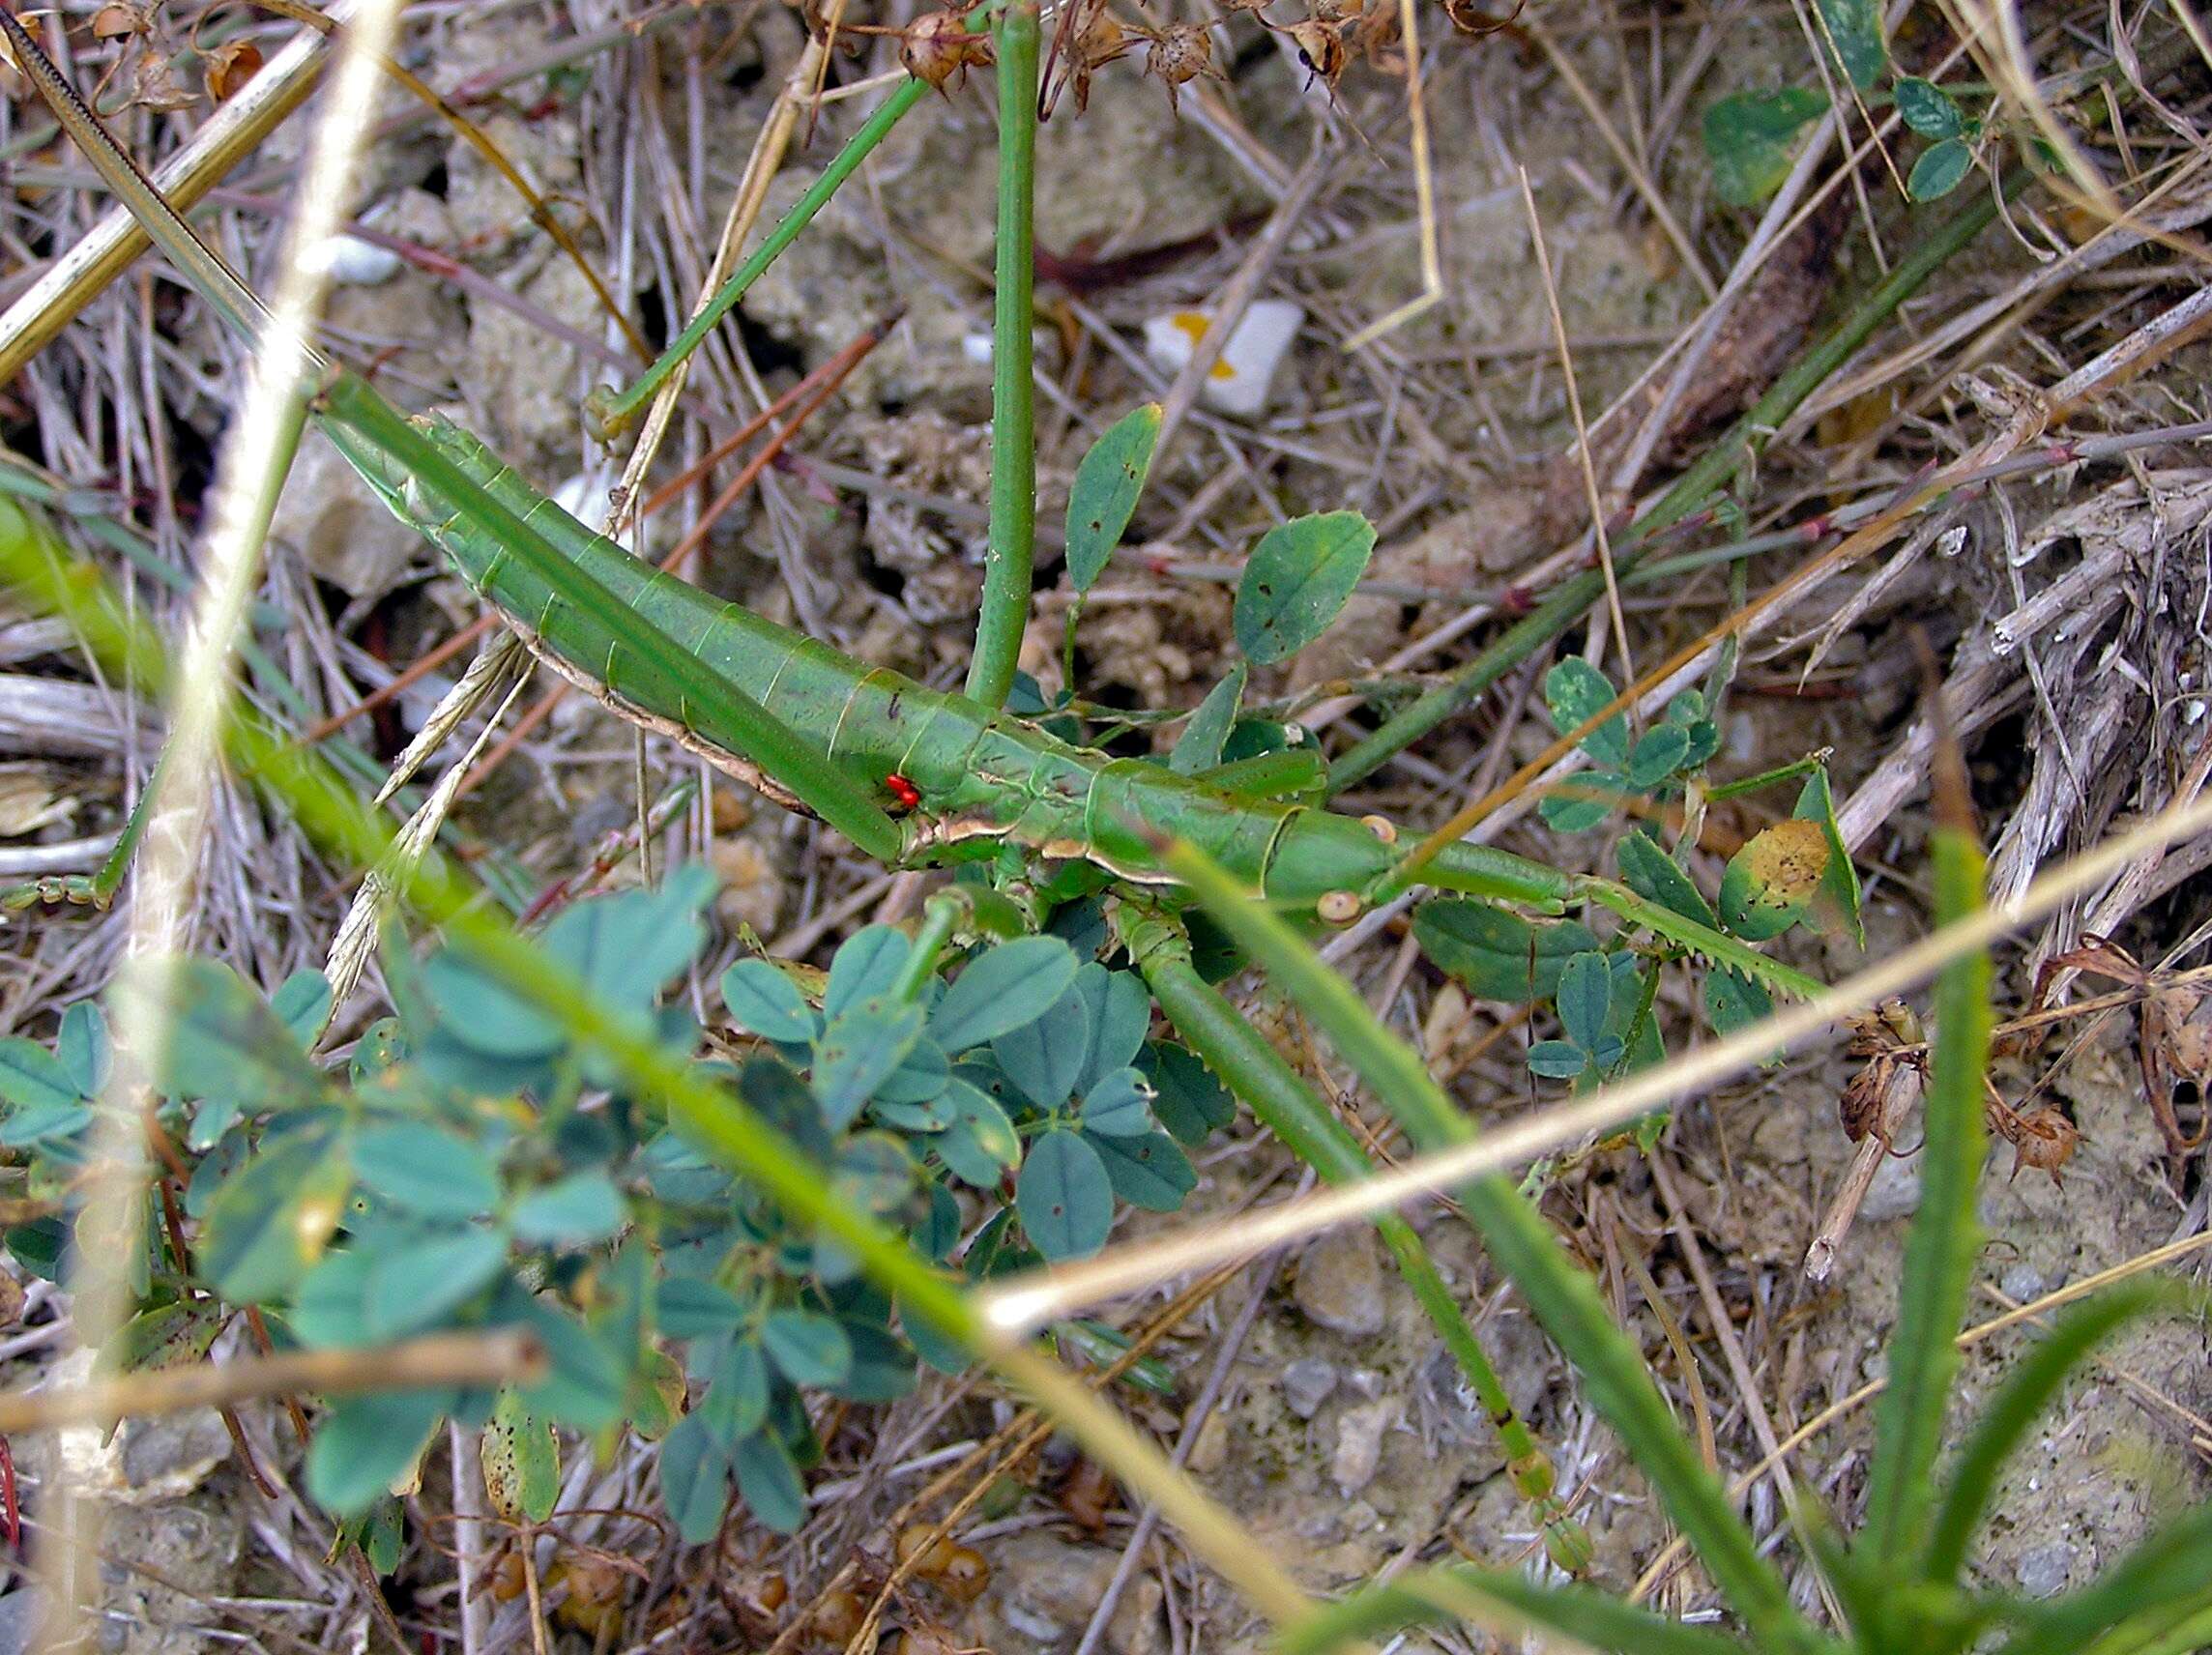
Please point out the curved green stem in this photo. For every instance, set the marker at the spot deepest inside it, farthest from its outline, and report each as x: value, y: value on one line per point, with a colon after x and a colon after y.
x: 1256, y: 1072
x: 1005, y: 612
x: 945, y: 910
x: 1563, y: 1295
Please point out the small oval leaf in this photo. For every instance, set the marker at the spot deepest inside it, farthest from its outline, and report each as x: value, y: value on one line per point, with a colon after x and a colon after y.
x: 1497, y: 955
x: 808, y: 1349
x: 1585, y: 998
x: 1928, y: 109
x: 1109, y: 481
x: 1120, y: 1105
x: 764, y: 1001
x: 1001, y: 989
x: 1940, y: 170
x: 1199, y: 747
x: 521, y: 1454
x: 1064, y: 1197
x: 1296, y: 579
x: 426, y: 1170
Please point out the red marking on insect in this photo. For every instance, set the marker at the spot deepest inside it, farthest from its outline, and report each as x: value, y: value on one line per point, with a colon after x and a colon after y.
x: 904, y: 791
x: 11, y: 1511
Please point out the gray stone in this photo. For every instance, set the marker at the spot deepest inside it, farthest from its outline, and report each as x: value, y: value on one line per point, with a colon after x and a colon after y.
x: 1340, y: 1284
x: 1360, y: 1433
x: 1306, y: 1383
x: 346, y: 536
x: 1043, y: 1591
x: 172, y: 1454
x: 2024, y: 1282
x: 190, y: 1549
x: 2042, y: 1571
x: 21, y: 1613
x: 1895, y: 1192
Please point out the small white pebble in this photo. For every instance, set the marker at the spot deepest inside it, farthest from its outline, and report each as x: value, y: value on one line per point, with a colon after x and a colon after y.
x: 1244, y: 375
x: 357, y: 263
x: 977, y: 347
x: 583, y: 498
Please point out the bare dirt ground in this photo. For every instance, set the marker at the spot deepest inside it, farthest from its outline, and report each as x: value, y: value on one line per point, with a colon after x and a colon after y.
x: 1332, y: 1428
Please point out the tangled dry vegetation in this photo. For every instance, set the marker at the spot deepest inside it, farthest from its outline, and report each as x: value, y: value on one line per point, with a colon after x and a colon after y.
x: 2053, y: 381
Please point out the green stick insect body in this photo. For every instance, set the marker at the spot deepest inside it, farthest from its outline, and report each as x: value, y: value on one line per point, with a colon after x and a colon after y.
x: 979, y: 774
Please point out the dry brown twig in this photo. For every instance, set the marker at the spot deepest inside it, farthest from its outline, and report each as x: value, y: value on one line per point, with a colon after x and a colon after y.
x: 500, y: 1356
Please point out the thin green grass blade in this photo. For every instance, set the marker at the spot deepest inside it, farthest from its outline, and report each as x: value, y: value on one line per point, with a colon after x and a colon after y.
x: 1946, y: 1238
x: 613, y: 412
x: 2170, y: 1572
x: 1256, y: 1072
x: 714, y: 706
x: 2028, y: 1391
x: 1564, y: 1300
x: 1500, y: 1601
x: 2186, y: 1631
x: 1009, y: 556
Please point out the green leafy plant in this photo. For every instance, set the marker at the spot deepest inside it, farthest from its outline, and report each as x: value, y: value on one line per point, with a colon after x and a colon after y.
x: 477, y: 1166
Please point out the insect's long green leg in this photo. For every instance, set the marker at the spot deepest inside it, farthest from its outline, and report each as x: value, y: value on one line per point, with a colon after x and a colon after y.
x: 1256, y: 1072
x: 96, y: 889
x: 1008, y: 556
x: 1698, y: 938
x: 703, y: 698
x: 613, y: 412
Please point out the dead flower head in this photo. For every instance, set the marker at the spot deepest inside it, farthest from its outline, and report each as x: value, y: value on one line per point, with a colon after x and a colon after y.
x: 1179, y: 54
x: 939, y: 47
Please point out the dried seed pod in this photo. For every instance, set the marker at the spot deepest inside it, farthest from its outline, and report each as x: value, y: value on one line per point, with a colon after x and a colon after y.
x: 155, y: 86
x: 1467, y: 19
x: 1322, y: 49
x: 230, y: 67
x: 594, y: 1590
x: 937, y: 47
x: 931, y: 1552
x: 1088, y: 1494
x: 837, y: 1616
x: 117, y: 21
x: 1179, y: 54
x: 966, y: 1574
x: 2042, y: 1139
x: 508, y: 1579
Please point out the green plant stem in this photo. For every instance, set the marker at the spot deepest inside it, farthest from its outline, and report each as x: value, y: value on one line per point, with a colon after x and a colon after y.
x: 1256, y: 1072
x: 1008, y: 556
x: 939, y: 916
x: 1563, y: 1298
x: 1945, y: 1241
x: 1711, y: 470
x: 613, y: 413
x: 1499, y: 1600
